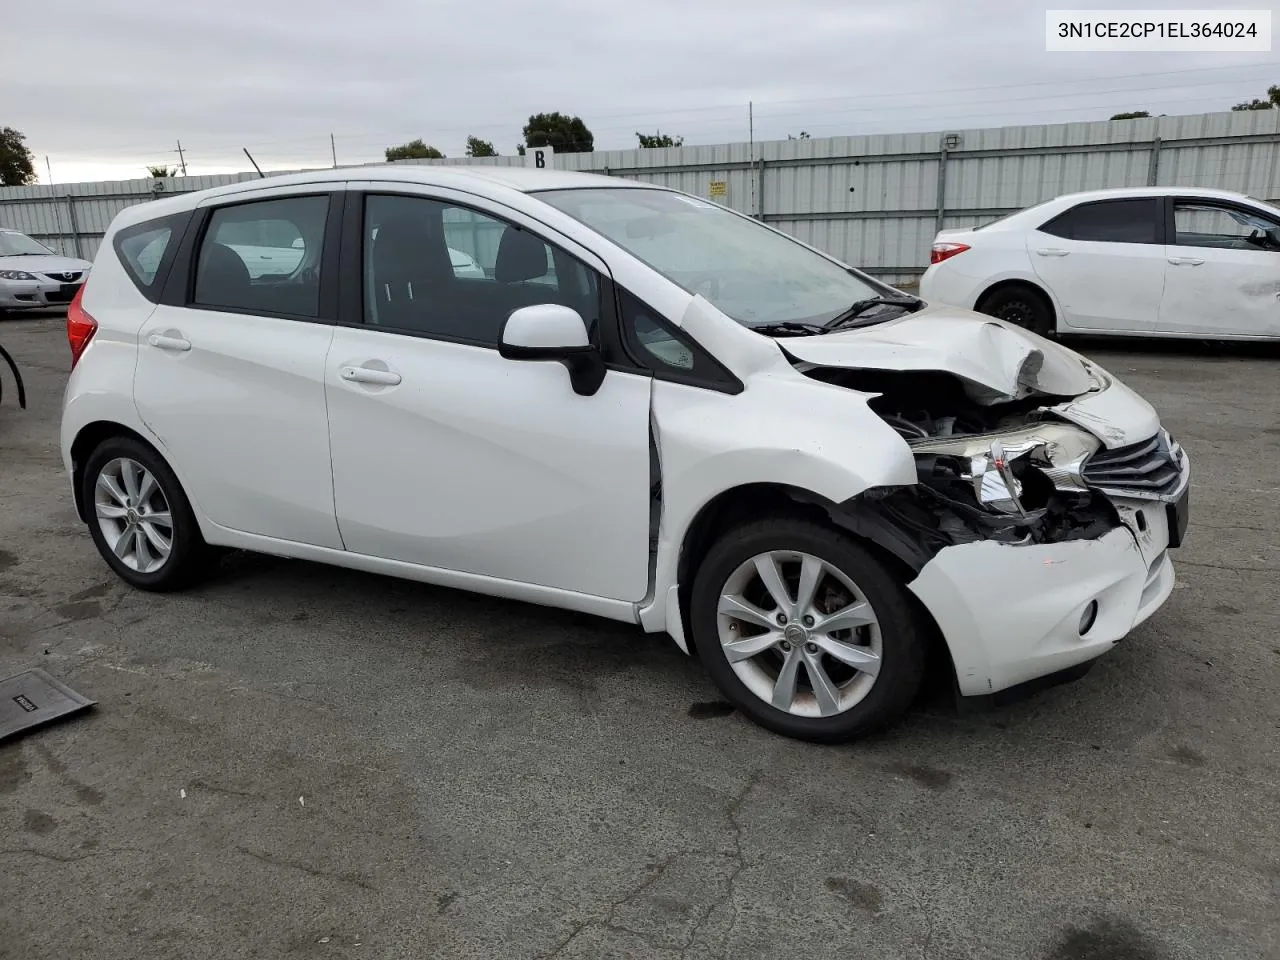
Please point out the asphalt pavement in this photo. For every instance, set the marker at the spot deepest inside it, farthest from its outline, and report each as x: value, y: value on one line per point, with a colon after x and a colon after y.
x: 299, y: 761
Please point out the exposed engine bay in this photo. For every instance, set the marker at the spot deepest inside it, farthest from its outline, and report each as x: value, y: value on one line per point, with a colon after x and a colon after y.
x: 1007, y: 471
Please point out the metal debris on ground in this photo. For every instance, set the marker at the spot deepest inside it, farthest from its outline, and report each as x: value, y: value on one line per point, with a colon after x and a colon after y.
x: 17, y: 378
x: 34, y: 698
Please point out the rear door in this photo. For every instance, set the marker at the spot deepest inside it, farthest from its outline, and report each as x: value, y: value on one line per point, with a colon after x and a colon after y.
x: 230, y: 375
x: 1104, y: 263
x: 1224, y: 271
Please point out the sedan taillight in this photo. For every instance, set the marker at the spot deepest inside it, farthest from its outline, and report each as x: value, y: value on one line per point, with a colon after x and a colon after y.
x: 80, y: 327
x: 945, y: 250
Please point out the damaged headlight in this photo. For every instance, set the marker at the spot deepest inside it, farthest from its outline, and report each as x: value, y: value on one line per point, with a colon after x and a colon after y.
x: 996, y: 466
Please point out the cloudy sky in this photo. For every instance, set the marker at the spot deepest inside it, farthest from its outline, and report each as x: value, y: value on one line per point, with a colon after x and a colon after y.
x: 104, y: 88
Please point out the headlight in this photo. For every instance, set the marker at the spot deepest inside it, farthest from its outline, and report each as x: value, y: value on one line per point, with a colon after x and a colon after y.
x: 15, y: 275
x: 988, y: 461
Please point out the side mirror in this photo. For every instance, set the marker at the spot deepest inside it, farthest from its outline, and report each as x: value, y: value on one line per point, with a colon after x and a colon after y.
x: 549, y: 331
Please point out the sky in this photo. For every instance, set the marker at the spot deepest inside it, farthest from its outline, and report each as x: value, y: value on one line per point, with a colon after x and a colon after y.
x: 105, y: 88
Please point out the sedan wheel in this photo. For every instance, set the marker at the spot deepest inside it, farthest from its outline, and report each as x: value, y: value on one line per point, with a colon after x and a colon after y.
x: 806, y: 630
x: 133, y: 515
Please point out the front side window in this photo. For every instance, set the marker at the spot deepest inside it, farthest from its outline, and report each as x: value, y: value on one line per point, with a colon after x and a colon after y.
x: 15, y: 244
x: 751, y: 273
x: 1229, y: 228
x: 448, y: 271
x: 264, y: 257
x: 1110, y: 221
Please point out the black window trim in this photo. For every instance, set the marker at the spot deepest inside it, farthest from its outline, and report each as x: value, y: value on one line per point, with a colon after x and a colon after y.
x: 722, y: 379
x: 1161, y: 225
x: 351, y: 289
x: 178, y: 224
x: 179, y: 289
x: 1170, y: 216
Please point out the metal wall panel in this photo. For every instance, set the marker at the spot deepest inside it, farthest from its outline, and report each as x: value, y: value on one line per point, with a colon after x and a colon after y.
x: 869, y: 200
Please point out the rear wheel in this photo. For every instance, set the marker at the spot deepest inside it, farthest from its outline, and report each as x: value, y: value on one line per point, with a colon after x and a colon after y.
x: 140, y: 519
x: 805, y: 631
x: 1021, y: 305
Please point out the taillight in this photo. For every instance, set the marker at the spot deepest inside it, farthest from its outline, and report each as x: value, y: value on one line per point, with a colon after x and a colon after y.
x: 943, y: 250
x: 80, y: 327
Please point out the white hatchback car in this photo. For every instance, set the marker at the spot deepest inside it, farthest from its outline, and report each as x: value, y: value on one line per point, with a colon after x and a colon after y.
x: 1148, y: 261
x: 648, y: 408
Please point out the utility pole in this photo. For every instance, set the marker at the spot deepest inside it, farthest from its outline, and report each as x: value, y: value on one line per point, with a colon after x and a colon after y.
x: 182, y: 160
x: 334, y: 150
x: 48, y: 167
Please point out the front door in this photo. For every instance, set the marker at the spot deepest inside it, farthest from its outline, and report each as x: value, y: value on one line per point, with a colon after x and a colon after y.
x: 449, y: 456
x: 1224, y: 272
x: 230, y: 375
x: 1104, y: 263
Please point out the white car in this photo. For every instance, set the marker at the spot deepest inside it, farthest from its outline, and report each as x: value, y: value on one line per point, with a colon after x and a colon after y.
x: 32, y: 275
x: 1148, y: 261
x: 701, y: 426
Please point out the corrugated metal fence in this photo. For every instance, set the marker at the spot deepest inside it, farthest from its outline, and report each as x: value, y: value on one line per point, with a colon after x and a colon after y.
x: 874, y: 201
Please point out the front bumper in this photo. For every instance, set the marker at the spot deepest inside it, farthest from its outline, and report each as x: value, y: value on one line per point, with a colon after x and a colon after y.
x: 1013, y: 613
x: 34, y: 294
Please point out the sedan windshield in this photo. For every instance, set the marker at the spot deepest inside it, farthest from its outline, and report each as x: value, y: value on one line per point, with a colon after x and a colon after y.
x: 14, y: 244
x: 753, y: 274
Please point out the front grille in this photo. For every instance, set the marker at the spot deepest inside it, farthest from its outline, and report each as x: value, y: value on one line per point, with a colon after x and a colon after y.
x: 1151, y: 468
x: 69, y: 277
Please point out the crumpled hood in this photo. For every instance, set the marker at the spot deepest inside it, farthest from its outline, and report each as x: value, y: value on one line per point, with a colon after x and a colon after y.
x: 45, y: 264
x: 997, y: 361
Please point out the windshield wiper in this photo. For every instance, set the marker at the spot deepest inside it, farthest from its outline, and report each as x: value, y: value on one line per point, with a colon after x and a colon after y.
x: 860, y: 307
x: 790, y: 328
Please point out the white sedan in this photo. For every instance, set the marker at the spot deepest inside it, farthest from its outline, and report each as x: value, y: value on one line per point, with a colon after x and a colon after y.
x: 1149, y: 262
x: 652, y: 409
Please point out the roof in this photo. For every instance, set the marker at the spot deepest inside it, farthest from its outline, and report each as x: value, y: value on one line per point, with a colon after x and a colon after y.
x: 520, y: 179
x: 1113, y: 192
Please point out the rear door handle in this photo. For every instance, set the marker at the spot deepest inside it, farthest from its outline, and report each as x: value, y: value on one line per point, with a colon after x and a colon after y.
x: 385, y: 378
x: 1189, y: 261
x: 1052, y: 252
x: 169, y: 343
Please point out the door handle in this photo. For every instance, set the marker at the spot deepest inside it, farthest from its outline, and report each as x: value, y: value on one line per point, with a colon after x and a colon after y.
x: 1189, y: 261
x: 1052, y: 252
x: 169, y: 343
x: 385, y: 378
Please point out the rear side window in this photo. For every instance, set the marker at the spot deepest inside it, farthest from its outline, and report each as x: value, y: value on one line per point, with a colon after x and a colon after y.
x: 146, y: 250
x: 263, y: 257
x: 1110, y: 221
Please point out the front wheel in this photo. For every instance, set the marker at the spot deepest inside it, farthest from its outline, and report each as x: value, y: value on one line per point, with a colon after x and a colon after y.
x: 806, y: 631
x: 140, y: 519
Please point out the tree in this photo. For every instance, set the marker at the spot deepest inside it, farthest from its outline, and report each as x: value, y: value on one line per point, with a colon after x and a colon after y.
x: 659, y: 139
x: 1273, y: 94
x: 804, y: 135
x: 17, y: 165
x: 480, y: 148
x: 163, y: 171
x: 413, y: 150
x: 1254, y: 104
x: 1131, y: 115
x: 557, y: 130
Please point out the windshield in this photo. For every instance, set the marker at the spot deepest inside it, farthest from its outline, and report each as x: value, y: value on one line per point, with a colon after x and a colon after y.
x: 14, y: 244
x: 751, y: 273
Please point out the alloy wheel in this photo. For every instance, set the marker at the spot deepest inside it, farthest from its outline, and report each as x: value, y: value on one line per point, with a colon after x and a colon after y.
x: 133, y: 515
x: 799, y: 633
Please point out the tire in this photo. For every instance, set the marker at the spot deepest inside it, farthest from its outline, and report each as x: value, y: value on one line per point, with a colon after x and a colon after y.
x: 118, y: 496
x: 890, y: 651
x: 1021, y: 305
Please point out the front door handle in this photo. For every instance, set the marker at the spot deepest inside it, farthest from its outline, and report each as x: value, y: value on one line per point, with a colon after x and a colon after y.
x: 383, y: 378
x: 1052, y: 252
x: 1186, y: 261
x: 169, y: 343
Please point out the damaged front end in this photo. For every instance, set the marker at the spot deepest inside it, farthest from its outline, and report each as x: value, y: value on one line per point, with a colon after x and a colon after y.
x: 1007, y: 470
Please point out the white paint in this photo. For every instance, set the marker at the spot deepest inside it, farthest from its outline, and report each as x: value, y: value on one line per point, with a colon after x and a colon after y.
x: 452, y: 465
